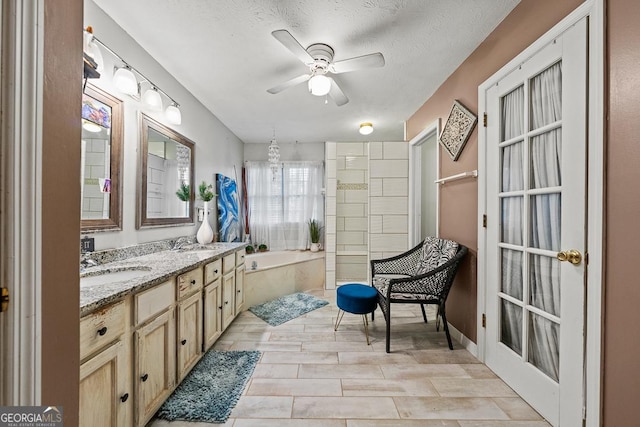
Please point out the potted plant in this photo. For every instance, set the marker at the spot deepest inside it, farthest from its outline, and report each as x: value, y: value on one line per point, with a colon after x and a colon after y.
x: 262, y: 248
x: 205, y: 232
x: 250, y: 249
x: 184, y: 192
x: 314, y: 234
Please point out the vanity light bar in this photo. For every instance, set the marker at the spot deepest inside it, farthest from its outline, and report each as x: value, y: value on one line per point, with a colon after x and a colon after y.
x: 132, y: 68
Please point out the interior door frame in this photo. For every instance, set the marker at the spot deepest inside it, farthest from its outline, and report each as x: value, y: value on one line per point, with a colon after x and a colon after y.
x: 20, y: 201
x: 594, y: 10
x: 415, y: 181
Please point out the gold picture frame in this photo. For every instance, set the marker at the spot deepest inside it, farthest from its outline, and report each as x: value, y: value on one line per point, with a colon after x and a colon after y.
x: 457, y: 129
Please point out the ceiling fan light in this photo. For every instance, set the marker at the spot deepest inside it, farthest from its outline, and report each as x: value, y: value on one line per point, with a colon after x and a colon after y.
x: 125, y: 81
x: 319, y: 85
x: 90, y: 126
x: 173, y: 114
x: 366, y: 128
x: 151, y: 98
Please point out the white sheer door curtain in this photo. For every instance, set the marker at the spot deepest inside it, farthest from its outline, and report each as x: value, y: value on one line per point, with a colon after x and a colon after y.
x: 542, y: 229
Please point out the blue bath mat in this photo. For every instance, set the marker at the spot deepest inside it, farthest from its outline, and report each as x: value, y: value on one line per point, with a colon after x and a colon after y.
x: 212, y: 389
x: 288, y: 307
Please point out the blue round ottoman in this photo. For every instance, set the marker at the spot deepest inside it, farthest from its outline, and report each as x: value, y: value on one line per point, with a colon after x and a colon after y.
x: 356, y: 298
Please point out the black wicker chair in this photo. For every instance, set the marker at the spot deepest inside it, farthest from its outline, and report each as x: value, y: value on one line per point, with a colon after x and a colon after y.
x: 396, y: 282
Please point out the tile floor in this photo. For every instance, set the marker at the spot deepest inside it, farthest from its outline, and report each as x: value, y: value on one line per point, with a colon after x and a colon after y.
x: 309, y: 375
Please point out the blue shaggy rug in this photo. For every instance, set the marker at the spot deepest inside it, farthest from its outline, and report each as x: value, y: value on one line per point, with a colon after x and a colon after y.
x: 212, y: 389
x: 285, y: 308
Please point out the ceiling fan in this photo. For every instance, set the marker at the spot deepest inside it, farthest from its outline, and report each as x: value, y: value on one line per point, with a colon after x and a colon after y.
x: 319, y: 58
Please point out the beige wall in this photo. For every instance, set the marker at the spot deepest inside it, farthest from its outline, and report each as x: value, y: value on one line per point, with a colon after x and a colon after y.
x: 61, y: 206
x: 621, y: 345
x: 459, y: 200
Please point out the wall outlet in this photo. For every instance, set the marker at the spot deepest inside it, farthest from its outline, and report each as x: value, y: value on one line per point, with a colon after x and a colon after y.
x: 87, y: 244
x: 200, y: 214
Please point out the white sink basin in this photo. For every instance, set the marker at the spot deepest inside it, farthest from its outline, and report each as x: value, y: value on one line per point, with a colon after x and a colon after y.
x: 112, y: 275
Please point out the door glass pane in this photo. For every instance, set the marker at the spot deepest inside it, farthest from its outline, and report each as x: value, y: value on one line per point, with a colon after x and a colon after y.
x: 512, y: 173
x: 544, y: 283
x: 546, y: 157
x: 543, y: 347
x: 545, y: 221
x: 512, y: 220
x: 512, y: 123
x: 512, y: 273
x: 546, y: 97
x: 511, y: 326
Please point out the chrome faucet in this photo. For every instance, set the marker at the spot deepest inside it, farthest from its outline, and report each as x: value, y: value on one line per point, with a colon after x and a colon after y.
x: 87, y: 262
x: 180, y: 242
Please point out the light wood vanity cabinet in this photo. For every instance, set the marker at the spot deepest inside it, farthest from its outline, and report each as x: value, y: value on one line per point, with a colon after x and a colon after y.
x: 189, y: 321
x: 212, y: 302
x: 155, y: 349
x: 228, y: 290
x: 134, y: 352
x: 239, y: 281
x: 105, y: 374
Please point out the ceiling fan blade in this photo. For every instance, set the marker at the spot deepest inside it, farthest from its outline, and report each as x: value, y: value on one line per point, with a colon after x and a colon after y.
x: 285, y: 37
x: 294, y: 81
x: 337, y: 94
x: 359, y: 62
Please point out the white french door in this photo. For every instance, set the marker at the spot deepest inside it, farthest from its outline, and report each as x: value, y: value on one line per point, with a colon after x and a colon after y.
x: 535, y: 198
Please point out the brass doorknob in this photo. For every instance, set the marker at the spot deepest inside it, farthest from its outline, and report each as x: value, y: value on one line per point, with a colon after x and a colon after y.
x: 572, y: 255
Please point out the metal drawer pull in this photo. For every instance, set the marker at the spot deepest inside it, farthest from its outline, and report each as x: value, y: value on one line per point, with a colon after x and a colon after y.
x: 183, y: 342
x: 193, y: 282
x: 144, y: 377
x: 124, y: 397
x: 102, y: 331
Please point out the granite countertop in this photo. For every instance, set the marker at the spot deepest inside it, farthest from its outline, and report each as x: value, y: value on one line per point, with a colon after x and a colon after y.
x: 150, y: 270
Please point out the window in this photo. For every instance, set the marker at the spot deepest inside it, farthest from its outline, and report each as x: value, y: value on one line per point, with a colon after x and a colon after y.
x: 281, y: 205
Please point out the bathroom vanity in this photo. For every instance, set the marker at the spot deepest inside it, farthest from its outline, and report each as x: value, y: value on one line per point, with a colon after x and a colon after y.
x: 146, y: 321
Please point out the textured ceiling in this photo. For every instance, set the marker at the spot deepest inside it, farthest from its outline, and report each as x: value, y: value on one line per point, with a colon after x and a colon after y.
x: 222, y: 51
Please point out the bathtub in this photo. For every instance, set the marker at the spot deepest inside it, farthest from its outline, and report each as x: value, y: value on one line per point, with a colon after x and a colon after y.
x: 270, y: 275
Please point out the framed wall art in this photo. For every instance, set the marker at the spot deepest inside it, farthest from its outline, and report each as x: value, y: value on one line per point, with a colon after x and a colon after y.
x: 457, y: 129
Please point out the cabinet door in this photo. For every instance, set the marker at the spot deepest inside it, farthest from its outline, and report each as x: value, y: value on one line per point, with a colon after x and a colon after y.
x: 228, y: 298
x: 155, y: 368
x: 189, y: 333
x: 212, y: 313
x: 239, y: 288
x: 105, y: 388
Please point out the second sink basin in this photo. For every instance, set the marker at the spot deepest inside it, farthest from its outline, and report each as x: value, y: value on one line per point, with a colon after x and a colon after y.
x: 112, y: 275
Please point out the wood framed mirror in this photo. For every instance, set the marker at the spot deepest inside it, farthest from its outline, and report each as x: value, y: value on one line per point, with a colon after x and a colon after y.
x: 165, y: 176
x: 101, y: 160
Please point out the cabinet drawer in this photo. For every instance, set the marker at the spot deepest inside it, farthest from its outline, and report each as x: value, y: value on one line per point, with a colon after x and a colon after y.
x: 101, y: 327
x: 240, y: 256
x: 189, y: 282
x: 153, y: 301
x: 228, y: 263
x: 212, y: 271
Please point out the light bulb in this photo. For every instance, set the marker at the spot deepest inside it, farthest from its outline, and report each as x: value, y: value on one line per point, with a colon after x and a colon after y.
x: 90, y: 126
x: 173, y: 114
x: 125, y: 81
x: 366, y: 128
x: 152, y: 99
x: 319, y: 85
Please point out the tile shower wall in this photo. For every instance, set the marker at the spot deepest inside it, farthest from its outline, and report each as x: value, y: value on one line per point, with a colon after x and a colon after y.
x: 367, y: 196
x: 95, y: 161
x: 389, y: 198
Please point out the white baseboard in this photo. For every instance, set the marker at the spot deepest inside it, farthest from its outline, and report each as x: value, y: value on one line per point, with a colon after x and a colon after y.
x: 466, y: 342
